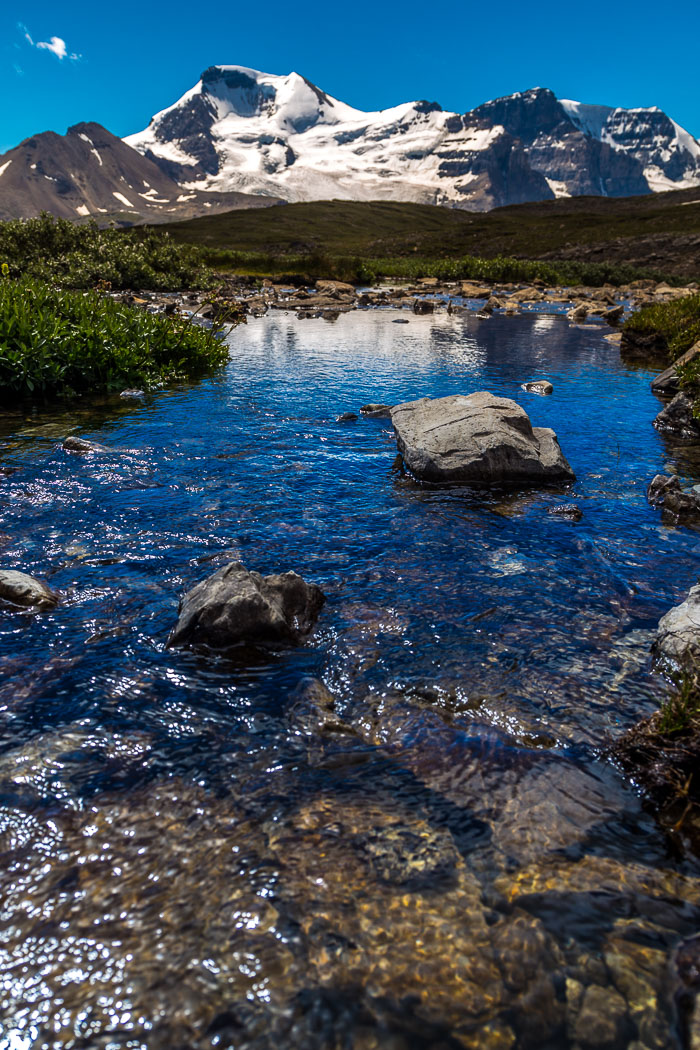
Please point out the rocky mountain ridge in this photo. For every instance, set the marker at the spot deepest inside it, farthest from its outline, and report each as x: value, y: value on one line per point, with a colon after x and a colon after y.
x: 241, y: 138
x: 90, y: 172
x: 239, y: 129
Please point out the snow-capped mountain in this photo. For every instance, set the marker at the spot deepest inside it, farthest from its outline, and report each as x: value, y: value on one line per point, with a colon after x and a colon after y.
x: 241, y: 130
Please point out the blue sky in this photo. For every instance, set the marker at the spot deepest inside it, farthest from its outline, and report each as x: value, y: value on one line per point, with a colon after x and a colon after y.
x: 119, y: 64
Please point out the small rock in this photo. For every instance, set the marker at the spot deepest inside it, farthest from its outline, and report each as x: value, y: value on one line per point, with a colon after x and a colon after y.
x: 677, y: 418
x: 659, y: 486
x: 472, y: 290
x: 578, y: 314
x: 377, y: 411
x: 566, y: 510
x: 423, y: 306
x: 681, y: 508
x: 602, y: 1017
x: 613, y: 315
x: 76, y: 444
x: 235, y: 605
x: 7, y: 472
x: 346, y: 417
x: 21, y: 589
x: 526, y: 295
x: 132, y: 395
x: 668, y: 381
x: 400, y: 320
x: 538, y: 386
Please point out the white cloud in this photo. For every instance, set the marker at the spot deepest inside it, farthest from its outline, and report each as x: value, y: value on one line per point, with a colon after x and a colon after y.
x: 56, y: 45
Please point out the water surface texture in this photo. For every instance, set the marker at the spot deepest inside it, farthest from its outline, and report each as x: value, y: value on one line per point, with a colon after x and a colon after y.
x: 401, y: 834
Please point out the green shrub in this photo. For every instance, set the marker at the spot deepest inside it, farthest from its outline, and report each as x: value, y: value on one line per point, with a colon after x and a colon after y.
x: 369, y: 269
x: 61, y: 343
x: 82, y: 256
x: 678, y: 322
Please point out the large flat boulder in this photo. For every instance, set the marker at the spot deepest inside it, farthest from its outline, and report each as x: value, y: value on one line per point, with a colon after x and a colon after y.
x: 235, y: 605
x: 678, y: 639
x: 476, y: 439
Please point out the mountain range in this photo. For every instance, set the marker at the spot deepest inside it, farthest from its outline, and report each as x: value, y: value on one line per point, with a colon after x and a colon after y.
x: 242, y: 138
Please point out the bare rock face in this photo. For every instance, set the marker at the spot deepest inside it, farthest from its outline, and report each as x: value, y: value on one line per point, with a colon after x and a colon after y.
x: 678, y: 639
x: 478, y: 439
x: 235, y: 605
x: 20, y: 589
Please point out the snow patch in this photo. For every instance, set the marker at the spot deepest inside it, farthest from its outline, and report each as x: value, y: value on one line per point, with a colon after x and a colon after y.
x: 85, y: 138
x: 82, y: 209
x: 120, y: 197
x: 99, y: 158
x: 558, y: 188
x: 5, y: 166
x: 589, y: 119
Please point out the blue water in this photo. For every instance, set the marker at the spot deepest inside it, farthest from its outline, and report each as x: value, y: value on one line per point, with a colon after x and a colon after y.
x: 466, y: 635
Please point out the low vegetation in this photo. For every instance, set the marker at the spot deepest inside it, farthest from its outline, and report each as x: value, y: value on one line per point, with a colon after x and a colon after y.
x: 368, y: 270
x: 60, y: 343
x: 663, y: 753
x: 677, y: 322
x: 644, y: 236
x: 82, y: 256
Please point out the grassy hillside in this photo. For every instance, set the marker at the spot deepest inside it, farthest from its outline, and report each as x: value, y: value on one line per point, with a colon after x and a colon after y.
x: 658, y: 231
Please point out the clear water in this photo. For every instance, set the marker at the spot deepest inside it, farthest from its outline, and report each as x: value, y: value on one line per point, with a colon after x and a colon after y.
x: 195, y: 855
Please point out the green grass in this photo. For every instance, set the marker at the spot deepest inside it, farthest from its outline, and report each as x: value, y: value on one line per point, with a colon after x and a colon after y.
x: 83, y: 256
x: 368, y: 270
x: 640, y: 233
x: 63, y: 343
x: 680, y: 712
x: 678, y: 322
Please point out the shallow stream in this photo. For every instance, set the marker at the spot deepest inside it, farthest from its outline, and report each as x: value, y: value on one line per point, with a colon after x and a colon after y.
x: 196, y: 852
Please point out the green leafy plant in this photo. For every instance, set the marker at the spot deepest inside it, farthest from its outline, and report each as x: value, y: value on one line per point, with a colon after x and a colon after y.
x: 83, y: 256
x: 58, y: 343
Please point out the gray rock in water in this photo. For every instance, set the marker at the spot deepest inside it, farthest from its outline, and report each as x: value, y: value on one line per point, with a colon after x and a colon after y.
x: 132, y: 395
x: 678, y: 639
x: 571, y: 511
x: 21, y: 589
x: 677, y: 418
x: 479, y: 439
x: 538, y: 386
x: 76, y: 444
x: 235, y: 605
x: 424, y: 306
x: 346, y: 417
x: 613, y: 315
x: 660, y: 486
x: 373, y: 411
x: 668, y: 381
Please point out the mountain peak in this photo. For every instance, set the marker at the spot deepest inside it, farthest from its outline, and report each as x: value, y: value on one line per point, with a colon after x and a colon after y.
x: 245, y: 130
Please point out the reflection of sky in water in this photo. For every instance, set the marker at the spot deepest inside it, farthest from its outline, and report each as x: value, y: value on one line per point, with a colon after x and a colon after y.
x: 479, y: 607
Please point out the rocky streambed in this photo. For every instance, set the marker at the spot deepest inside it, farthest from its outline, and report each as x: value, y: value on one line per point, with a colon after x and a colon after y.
x: 400, y: 828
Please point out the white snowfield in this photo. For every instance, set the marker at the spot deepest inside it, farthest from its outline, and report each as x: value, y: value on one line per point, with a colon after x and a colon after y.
x: 281, y: 136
